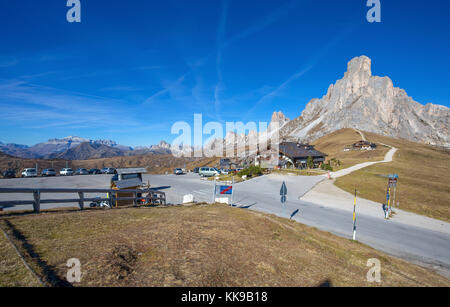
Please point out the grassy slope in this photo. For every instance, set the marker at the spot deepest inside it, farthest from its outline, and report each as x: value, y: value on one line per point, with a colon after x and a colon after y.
x: 333, y: 145
x: 424, y: 183
x: 13, y: 272
x: 204, y: 246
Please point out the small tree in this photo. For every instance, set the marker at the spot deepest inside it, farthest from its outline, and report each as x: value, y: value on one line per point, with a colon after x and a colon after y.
x: 310, y: 162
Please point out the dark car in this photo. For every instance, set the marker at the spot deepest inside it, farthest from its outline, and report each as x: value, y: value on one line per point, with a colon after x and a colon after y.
x: 48, y: 172
x: 94, y: 171
x: 196, y: 170
x: 10, y: 173
x: 82, y: 171
x: 109, y: 170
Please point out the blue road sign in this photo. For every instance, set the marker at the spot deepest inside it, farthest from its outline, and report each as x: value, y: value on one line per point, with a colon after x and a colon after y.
x: 226, y: 190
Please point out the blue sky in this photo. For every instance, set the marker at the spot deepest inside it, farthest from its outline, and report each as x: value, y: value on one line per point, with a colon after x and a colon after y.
x: 131, y: 69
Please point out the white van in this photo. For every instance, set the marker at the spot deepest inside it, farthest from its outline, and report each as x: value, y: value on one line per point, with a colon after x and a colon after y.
x: 208, y: 172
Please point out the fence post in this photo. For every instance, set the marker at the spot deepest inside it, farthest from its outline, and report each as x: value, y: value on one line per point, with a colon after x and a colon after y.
x: 81, y: 202
x: 37, y: 201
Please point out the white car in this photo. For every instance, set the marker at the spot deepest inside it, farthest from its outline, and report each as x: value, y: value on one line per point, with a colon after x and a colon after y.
x: 178, y: 171
x: 66, y: 172
x: 208, y: 172
x: 29, y: 172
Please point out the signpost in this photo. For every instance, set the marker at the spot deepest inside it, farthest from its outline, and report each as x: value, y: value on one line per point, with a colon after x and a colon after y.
x: 224, y: 190
x: 392, y: 185
x: 283, y: 193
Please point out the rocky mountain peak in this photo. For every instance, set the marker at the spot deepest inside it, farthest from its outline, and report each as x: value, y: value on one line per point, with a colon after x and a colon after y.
x: 361, y: 65
x: 373, y: 104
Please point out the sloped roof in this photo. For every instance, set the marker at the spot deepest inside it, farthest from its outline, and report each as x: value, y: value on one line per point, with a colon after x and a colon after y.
x: 128, y: 183
x: 131, y: 170
x: 294, y: 150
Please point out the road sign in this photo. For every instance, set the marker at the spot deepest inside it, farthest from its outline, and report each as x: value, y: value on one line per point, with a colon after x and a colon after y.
x: 283, y: 192
x: 226, y: 190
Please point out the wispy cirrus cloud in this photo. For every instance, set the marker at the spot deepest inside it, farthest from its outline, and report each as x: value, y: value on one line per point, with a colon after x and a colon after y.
x: 40, y: 106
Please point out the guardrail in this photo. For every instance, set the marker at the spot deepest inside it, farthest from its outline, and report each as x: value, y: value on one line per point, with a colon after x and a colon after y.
x: 153, y: 197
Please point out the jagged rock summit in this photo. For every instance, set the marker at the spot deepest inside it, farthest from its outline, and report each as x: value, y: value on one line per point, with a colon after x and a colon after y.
x: 370, y: 103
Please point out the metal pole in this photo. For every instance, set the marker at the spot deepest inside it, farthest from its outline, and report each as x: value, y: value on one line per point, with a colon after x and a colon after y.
x: 214, y: 193
x: 232, y: 191
x: 354, y: 218
x: 389, y: 202
x: 395, y: 194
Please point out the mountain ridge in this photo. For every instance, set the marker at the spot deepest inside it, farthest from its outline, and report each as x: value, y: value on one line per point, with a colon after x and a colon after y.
x: 370, y: 103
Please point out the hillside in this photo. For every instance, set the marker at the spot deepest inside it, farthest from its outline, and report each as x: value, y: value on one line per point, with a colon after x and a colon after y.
x: 333, y: 145
x: 86, y: 151
x: 202, y: 245
x: 424, y: 183
x: 155, y: 163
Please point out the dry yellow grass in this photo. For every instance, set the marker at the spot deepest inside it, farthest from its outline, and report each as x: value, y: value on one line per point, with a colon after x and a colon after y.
x: 13, y: 272
x: 333, y: 145
x: 424, y: 183
x: 202, y: 245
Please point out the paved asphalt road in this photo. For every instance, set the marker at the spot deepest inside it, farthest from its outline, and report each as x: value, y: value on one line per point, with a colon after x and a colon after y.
x: 418, y: 245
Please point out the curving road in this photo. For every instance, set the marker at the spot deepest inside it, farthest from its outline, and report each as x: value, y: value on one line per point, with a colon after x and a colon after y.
x: 426, y: 242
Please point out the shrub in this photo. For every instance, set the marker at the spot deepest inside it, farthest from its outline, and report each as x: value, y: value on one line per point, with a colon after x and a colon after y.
x: 327, y: 166
x: 310, y: 162
x: 251, y: 171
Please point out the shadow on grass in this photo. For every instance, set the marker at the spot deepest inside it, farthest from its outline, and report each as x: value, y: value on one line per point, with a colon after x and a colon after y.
x: 325, y: 284
x: 49, y: 271
x: 294, y: 213
x: 247, y: 206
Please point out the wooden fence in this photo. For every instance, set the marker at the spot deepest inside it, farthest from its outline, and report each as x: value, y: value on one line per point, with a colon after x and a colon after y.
x: 153, y: 197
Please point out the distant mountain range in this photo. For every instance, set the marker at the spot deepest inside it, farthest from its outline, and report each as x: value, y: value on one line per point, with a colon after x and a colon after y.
x: 358, y: 100
x: 77, y: 148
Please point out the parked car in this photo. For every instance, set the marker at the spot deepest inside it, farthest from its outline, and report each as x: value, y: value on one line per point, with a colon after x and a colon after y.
x: 178, y: 171
x: 66, y: 172
x: 9, y: 173
x: 29, y: 172
x: 94, y: 171
x: 196, y: 170
x: 224, y: 171
x: 48, y: 172
x: 108, y: 170
x: 82, y: 171
x: 208, y: 172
